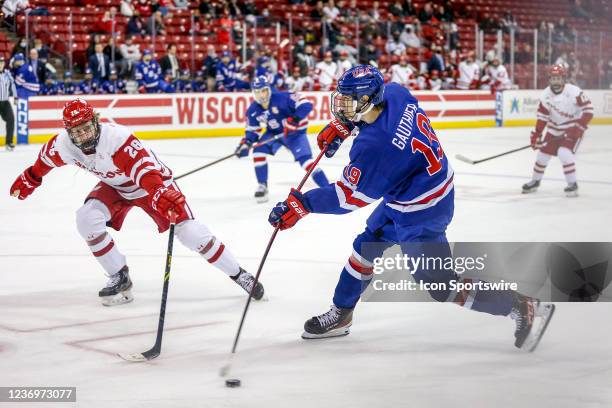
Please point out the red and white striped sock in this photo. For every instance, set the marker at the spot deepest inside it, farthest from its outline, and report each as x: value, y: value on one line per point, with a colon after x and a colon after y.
x: 219, y: 256
x: 106, y: 252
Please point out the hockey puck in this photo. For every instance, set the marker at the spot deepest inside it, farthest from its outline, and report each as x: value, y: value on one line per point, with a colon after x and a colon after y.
x: 232, y: 383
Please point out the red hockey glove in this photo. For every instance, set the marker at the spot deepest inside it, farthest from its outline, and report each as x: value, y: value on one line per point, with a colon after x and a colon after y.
x: 290, y: 125
x: 25, y: 184
x: 243, y: 148
x: 575, y: 133
x: 536, y: 140
x: 290, y: 211
x: 332, y: 135
x: 169, y: 203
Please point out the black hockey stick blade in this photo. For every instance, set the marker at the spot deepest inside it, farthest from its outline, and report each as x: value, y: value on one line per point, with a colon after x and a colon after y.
x: 464, y: 159
x: 470, y: 161
x: 155, y: 351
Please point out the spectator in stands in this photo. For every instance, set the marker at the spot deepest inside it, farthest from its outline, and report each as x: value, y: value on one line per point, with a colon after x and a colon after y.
x: 508, y: 22
x: 409, y: 38
x: 93, y: 40
x: 310, y: 35
x: 135, y: 26
x: 127, y: 8
x: 426, y: 13
x: 181, y: 5
x: 99, y: 64
x: 11, y: 7
x: 342, y: 46
x: 443, y: 14
x: 143, y: 7
x: 131, y: 55
x: 20, y: 47
x: 394, y: 45
x: 224, y: 30
x: 237, y: 32
x: 306, y: 61
x: 104, y: 24
x: 453, y: 37
x: 409, y: 9
x: 562, y: 34
x: 248, y: 9
x: 326, y: 72
x: 43, y: 50
x: 317, y: 12
x: 116, y: 59
x: 155, y: 24
x: 331, y: 11
x: 347, y: 14
x: 579, y: 10
x: 344, y: 63
x: 369, y: 53
x: 396, y: 9
x: 209, y: 66
x: 436, y: 62
x: 489, y: 24
x: 375, y: 11
x: 170, y: 62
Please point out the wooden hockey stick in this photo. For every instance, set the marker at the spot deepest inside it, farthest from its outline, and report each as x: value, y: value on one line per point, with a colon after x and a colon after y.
x: 229, y: 156
x: 225, y: 369
x: 156, y: 349
x: 470, y: 161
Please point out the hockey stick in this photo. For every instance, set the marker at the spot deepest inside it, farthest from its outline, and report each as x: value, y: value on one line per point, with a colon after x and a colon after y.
x: 156, y: 349
x: 225, y: 369
x: 229, y: 156
x: 470, y: 161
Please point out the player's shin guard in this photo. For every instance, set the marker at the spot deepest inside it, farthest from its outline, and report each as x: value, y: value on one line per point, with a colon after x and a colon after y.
x: 197, y: 237
x: 539, y: 167
x: 495, y: 302
x: 261, y: 168
x: 354, y: 280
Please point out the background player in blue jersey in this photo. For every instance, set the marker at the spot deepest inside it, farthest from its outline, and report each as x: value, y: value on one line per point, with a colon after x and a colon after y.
x: 395, y: 156
x: 227, y: 69
x: 282, y: 113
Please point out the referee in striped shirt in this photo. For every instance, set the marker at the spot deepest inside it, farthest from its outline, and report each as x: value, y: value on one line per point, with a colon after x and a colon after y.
x: 7, y: 89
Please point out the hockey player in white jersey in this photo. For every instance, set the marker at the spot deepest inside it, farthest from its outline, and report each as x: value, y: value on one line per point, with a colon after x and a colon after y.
x: 469, y: 73
x: 498, y: 76
x: 565, y: 111
x: 326, y: 72
x: 130, y: 176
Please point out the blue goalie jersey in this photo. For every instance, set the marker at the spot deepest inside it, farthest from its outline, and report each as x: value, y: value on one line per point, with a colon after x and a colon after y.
x: 397, y: 158
x: 282, y: 106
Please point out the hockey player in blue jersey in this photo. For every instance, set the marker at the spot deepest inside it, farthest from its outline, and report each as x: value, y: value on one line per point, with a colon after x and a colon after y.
x: 148, y: 73
x: 184, y: 84
x: 50, y: 87
x: 395, y: 157
x: 113, y: 85
x: 199, y: 83
x: 26, y: 80
x: 167, y: 84
x: 68, y: 87
x: 283, y: 113
x: 227, y: 74
x: 88, y: 85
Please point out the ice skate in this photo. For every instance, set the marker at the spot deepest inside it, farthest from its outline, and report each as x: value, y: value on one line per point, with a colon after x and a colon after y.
x: 571, y: 190
x: 336, y: 322
x: 531, y: 317
x: 245, y: 280
x: 10, y: 147
x: 531, y: 187
x: 261, y: 194
x: 118, y: 289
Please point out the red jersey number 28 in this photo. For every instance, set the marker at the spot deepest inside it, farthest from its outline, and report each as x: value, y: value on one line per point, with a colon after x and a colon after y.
x: 433, y: 154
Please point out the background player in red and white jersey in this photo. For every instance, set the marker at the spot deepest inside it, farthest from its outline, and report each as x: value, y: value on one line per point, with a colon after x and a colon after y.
x: 469, y: 73
x: 326, y: 71
x: 498, y: 76
x: 565, y: 111
x: 403, y: 73
x: 131, y: 176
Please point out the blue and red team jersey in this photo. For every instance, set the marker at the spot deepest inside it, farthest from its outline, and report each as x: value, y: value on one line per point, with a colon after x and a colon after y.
x: 397, y: 158
x: 282, y: 106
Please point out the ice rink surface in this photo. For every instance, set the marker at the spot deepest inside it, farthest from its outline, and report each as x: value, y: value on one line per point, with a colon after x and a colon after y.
x: 54, y: 332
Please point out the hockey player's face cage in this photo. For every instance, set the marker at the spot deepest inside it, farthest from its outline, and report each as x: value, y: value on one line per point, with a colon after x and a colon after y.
x: 556, y: 82
x: 85, y: 136
x: 262, y: 95
x: 346, y: 109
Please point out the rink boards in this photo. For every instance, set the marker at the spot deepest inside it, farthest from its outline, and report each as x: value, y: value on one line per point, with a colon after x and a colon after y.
x: 162, y: 116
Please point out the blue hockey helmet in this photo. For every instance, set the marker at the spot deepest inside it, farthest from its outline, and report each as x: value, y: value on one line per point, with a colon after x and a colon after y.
x: 199, y: 74
x: 359, y: 90
x: 262, y: 90
x: 67, y: 74
x: 185, y: 73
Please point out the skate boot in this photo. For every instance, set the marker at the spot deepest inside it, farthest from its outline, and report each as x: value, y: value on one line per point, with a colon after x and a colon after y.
x: 118, y: 289
x: 531, y: 317
x: 531, y: 187
x: 261, y: 194
x: 336, y: 322
x: 245, y: 281
x: 571, y: 190
x: 10, y: 147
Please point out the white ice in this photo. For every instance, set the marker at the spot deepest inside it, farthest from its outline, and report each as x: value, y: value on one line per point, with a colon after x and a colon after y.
x: 54, y: 332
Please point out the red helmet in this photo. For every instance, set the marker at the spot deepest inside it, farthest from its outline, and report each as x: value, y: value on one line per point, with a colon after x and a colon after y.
x: 557, y: 69
x: 77, y: 112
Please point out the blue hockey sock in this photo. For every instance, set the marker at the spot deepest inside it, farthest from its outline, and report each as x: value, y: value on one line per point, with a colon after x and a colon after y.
x: 319, y: 177
x: 349, y: 289
x: 261, y: 172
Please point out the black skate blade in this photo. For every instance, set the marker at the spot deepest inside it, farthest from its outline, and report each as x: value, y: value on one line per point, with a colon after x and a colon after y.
x: 344, y: 331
